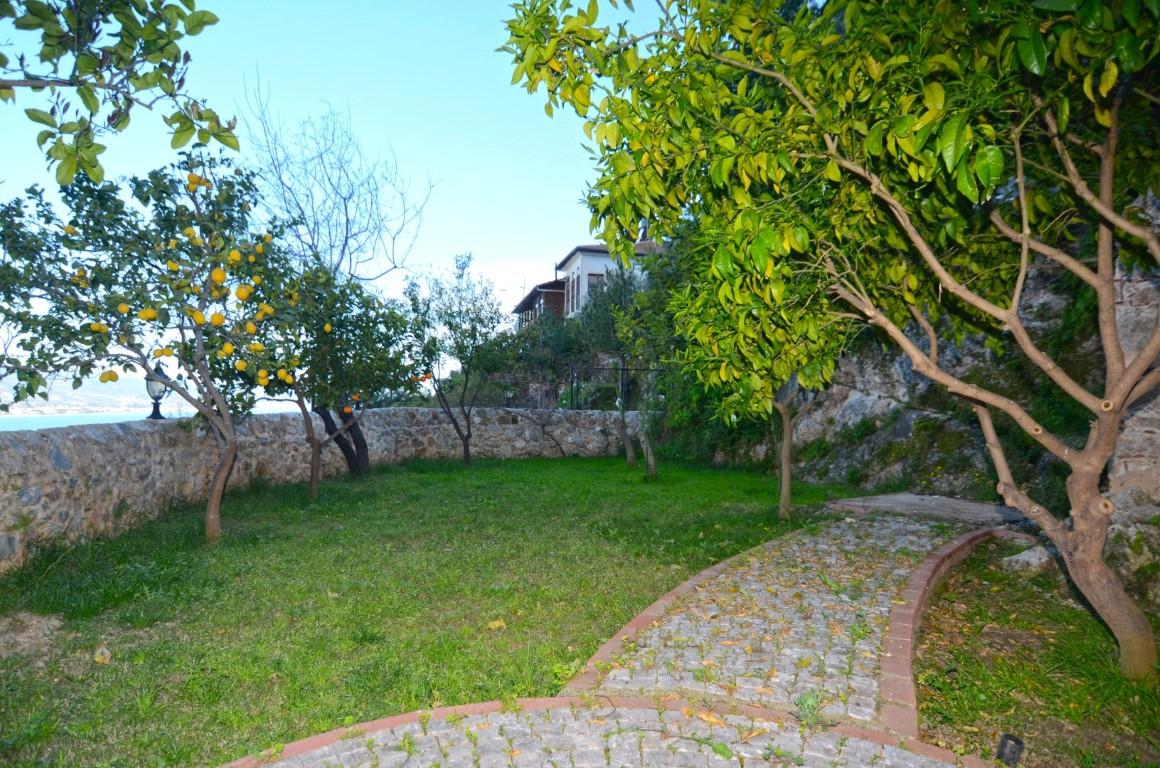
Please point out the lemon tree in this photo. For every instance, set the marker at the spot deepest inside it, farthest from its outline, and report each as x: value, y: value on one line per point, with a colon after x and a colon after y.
x: 176, y: 276
x: 345, y: 347
x: 905, y: 164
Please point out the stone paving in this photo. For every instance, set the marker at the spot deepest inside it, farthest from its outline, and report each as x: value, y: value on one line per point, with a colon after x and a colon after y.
x: 801, y: 618
x: 771, y: 659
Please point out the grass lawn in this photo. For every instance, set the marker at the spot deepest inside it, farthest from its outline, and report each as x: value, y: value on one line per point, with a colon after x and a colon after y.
x: 1007, y: 653
x: 422, y: 585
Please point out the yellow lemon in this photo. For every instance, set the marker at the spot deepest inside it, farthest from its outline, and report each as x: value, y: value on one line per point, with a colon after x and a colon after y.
x: 189, y: 232
x: 257, y: 279
x: 198, y: 317
x: 244, y: 292
x: 149, y: 313
x: 172, y: 244
x: 173, y: 265
x: 235, y: 256
x: 240, y: 365
x: 123, y: 308
x: 267, y: 237
x: 250, y: 327
x: 108, y: 376
x: 227, y: 349
x: 256, y: 346
x: 217, y: 275
x: 217, y: 319
x: 259, y: 248
x: 98, y: 328
x: 327, y: 328
x: 69, y: 229
x: 251, y: 258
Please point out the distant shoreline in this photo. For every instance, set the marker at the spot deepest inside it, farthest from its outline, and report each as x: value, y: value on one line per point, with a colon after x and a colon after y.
x: 24, y: 422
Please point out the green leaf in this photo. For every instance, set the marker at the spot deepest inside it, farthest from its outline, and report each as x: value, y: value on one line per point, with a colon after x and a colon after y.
x: 933, y: 96
x: 723, y: 750
x: 904, y: 125
x: 1132, y: 12
x: 833, y: 173
x: 1064, y: 113
x: 989, y: 165
x: 89, y: 98
x: 873, y: 141
x: 229, y: 139
x: 1060, y: 6
x: 66, y: 170
x: 952, y: 140
x: 1033, y: 52
x: 40, y: 116
x: 182, y: 136
x: 965, y: 180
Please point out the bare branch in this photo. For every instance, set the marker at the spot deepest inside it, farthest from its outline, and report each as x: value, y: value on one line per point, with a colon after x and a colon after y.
x: 957, y: 386
x: 1011, y: 493
x: 1025, y: 231
x: 931, y: 336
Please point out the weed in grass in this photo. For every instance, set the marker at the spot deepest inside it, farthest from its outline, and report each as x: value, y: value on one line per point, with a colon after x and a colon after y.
x: 859, y: 628
x: 808, y: 709
x: 779, y: 757
x: 408, y: 745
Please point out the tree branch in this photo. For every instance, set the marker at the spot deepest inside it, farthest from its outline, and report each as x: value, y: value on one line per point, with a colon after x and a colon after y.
x: 773, y: 74
x: 957, y: 386
x: 1011, y: 493
x: 1145, y: 234
x: 1068, y: 262
x: 931, y: 336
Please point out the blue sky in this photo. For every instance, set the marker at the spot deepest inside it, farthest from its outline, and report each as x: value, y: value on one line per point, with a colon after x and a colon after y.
x: 419, y: 79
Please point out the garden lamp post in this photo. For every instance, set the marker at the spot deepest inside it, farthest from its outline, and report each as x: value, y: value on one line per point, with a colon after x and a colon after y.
x: 157, y: 390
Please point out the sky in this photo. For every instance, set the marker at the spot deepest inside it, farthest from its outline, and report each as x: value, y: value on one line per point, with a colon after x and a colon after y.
x: 420, y: 80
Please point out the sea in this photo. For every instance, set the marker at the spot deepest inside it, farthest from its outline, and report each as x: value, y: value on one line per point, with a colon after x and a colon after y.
x: 10, y: 423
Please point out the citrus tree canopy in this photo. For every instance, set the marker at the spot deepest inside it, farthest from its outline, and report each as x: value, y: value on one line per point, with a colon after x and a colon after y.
x: 905, y: 163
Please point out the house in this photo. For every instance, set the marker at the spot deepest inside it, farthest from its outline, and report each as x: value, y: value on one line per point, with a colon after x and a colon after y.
x: 584, y: 270
x: 545, y: 297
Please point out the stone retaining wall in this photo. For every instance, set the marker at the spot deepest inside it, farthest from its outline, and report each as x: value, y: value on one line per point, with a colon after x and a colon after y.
x: 75, y: 482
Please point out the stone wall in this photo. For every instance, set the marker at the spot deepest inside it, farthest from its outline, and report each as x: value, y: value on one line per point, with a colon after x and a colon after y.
x: 76, y: 482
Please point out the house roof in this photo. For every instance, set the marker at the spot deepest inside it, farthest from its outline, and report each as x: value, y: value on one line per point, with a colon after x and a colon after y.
x: 529, y: 301
x: 600, y: 249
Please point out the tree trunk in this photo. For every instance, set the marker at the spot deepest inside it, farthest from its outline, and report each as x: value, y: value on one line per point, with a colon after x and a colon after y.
x: 315, y: 466
x: 626, y: 439
x: 1083, y: 552
x: 217, y: 489
x: 785, y: 453
x: 466, y: 451
x: 361, y: 452
x: 348, y: 452
x: 650, y: 458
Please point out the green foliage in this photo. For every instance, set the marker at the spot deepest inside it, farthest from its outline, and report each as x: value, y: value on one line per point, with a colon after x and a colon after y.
x: 458, y: 319
x: 99, y: 61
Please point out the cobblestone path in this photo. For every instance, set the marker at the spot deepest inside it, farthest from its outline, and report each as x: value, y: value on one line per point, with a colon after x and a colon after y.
x: 771, y: 659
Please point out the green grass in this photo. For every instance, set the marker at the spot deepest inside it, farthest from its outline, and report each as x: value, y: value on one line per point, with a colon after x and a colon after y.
x: 374, y: 599
x: 1001, y: 652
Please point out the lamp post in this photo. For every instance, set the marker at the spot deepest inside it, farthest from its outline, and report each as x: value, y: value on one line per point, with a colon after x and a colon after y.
x: 157, y: 390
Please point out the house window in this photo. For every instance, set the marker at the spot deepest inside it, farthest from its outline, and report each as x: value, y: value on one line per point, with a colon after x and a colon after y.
x: 595, y: 281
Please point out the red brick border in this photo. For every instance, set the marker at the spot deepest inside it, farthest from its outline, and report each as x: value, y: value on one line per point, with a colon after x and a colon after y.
x: 899, y: 711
